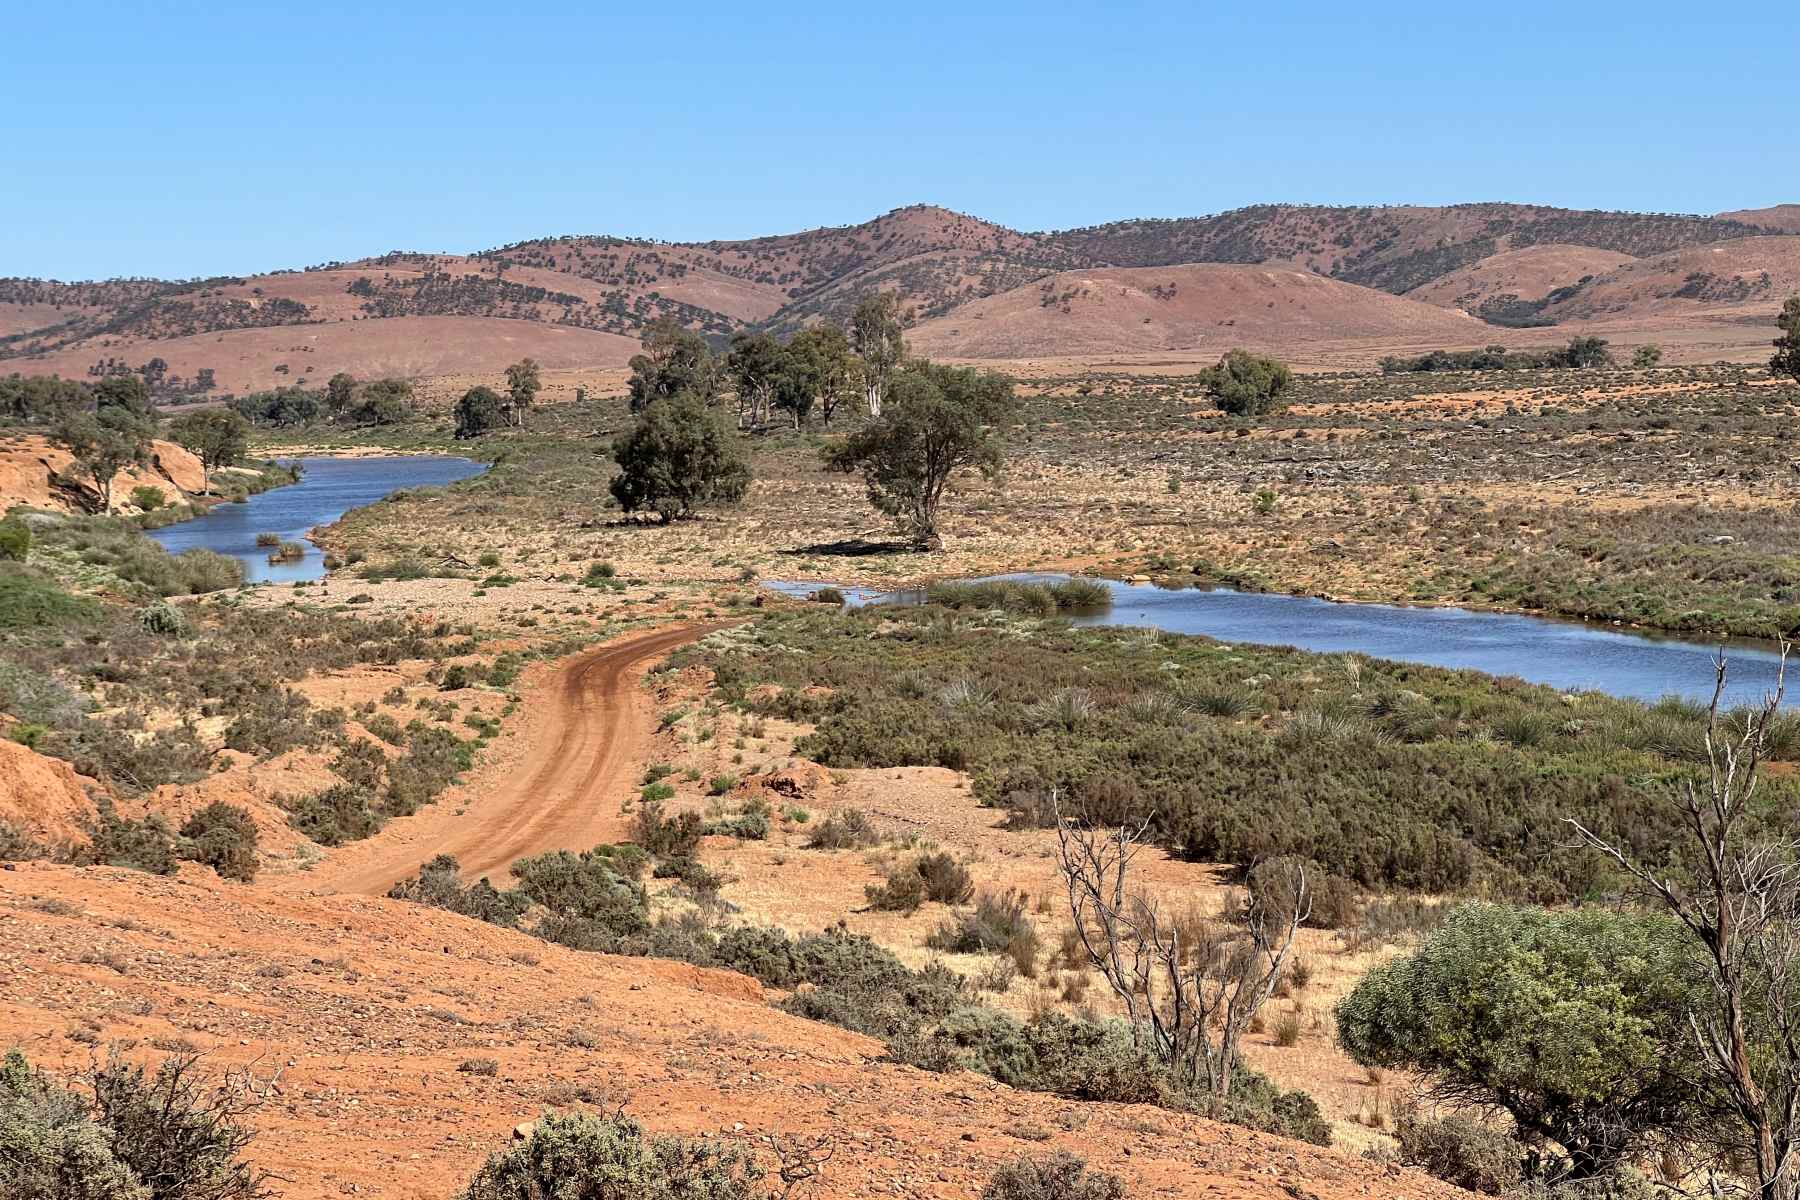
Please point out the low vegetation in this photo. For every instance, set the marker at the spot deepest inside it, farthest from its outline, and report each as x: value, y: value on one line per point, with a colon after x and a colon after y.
x: 1383, y: 775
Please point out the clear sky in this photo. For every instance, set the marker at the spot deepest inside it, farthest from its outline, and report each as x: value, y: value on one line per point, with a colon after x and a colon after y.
x: 179, y: 139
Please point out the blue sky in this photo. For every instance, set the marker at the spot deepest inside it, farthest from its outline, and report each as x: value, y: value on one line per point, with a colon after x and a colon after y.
x: 185, y: 139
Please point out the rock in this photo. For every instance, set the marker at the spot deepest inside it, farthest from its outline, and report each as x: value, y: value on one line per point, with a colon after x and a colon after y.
x: 523, y: 1130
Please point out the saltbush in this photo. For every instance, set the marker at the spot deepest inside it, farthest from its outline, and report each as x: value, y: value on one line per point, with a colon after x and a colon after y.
x: 1061, y: 1176
x: 580, y: 1156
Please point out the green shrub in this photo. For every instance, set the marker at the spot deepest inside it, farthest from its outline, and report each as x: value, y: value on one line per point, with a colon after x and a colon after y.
x: 996, y: 925
x: 134, y: 1136
x: 667, y: 837
x: 439, y: 884
x: 579, y: 1156
x: 115, y: 841
x: 1573, y: 1022
x: 164, y: 619
x: 30, y: 601
x: 902, y: 891
x: 850, y: 829
x: 1061, y: 1176
x: 341, y: 813
x: 750, y: 825
x: 434, y: 758
x: 15, y: 540
x: 1463, y: 1152
x: 1248, y: 385
x: 594, y: 888
x: 147, y: 497
x: 223, y: 837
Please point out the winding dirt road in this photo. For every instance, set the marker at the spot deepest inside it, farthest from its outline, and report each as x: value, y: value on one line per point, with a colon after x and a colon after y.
x: 589, y: 722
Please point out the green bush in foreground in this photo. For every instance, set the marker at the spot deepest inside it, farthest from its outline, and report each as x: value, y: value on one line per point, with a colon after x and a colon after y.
x: 578, y: 1156
x: 1573, y: 1023
x: 134, y: 1135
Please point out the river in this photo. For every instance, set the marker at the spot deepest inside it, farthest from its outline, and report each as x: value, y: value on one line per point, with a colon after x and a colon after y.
x: 1568, y: 655
x: 328, y: 488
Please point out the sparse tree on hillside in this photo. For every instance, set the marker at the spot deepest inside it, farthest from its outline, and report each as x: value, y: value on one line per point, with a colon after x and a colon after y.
x: 479, y: 410
x: 823, y: 355
x: 216, y: 436
x: 1787, y: 346
x: 340, y: 394
x: 103, y: 444
x: 522, y: 387
x: 677, y: 460
x: 675, y: 361
x: 1736, y: 906
x: 878, y: 333
x: 1248, y: 385
x: 1646, y: 356
x: 937, y: 423
x: 757, y: 363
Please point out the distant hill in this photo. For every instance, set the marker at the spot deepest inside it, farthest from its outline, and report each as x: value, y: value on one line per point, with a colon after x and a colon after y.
x: 1514, y: 286
x: 1757, y: 272
x: 1782, y: 217
x: 1202, y: 307
x: 586, y: 299
x: 1394, y: 249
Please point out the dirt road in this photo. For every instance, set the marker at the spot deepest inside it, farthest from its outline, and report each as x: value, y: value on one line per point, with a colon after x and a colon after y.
x: 588, y: 722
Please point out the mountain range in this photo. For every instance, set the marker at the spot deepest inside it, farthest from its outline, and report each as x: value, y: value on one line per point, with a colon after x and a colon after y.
x: 1275, y: 276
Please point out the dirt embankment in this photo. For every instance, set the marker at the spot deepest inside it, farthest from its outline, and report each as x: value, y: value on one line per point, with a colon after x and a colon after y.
x: 37, y: 474
x: 366, y: 1009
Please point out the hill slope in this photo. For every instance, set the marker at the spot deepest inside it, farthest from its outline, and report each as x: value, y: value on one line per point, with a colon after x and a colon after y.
x: 1204, y: 307
x: 367, y: 1008
x: 1395, y: 249
x: 1517, y: 281
x: 1758, y: 272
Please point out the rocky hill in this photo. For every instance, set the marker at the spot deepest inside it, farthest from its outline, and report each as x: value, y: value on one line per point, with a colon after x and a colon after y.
x: 583, y: 301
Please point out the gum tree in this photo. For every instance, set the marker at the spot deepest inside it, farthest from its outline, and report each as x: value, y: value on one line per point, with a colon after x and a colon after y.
x: 939, y: 423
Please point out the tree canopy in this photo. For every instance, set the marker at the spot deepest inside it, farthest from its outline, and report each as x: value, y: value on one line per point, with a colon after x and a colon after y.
x: 217, y: 437
x: 522, y: 386
x: 1787, y: 346
x: 937, y: 422
x: 104, y: 443
x: 878, y: 334
x: 1574, y: 1023
x: 479, y: 410
x: 674, y: 361
x: 678, y: 459
x: 128, y: 392
x: 1248, y: 385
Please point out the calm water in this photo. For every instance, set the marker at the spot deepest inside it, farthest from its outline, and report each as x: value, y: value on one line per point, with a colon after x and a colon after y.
x: 1563, y: 654
x: 328, y: 488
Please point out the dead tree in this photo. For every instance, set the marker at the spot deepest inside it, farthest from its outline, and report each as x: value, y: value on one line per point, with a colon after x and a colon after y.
x: 1740, y: 908
x: 1190, y: 988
